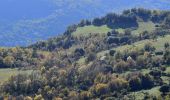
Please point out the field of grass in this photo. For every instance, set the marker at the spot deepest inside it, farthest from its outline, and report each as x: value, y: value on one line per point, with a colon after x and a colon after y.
x: 120, y: 30
x: 85, y: 31
x: 139, y: 95
x: 139, y: 44
x: 158, y: 44
x: 6, y: 73
x: 144, y: 26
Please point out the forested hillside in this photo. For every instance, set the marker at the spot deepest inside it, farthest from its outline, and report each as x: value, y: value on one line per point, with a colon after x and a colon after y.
x: 24, y: 22
x: 118, y: 56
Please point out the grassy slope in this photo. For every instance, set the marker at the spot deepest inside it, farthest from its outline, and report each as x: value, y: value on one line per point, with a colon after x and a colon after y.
x: 139, y: 95
x: 144, y: 26
x: 85, y: 31
x: 6, y: 73
x: 158, y: 44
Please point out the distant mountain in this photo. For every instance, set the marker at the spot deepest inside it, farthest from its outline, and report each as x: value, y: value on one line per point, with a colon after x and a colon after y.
x: 23, y: 22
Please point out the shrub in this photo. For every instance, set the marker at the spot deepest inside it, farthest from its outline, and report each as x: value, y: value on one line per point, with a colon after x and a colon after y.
x: 135, y: 83
x: 91, y: 57
x: 141, y: 61
x: 164, y: 89
x: 149, y: 47
x: 70, y: 29
x: 159, y: 53
x: 111, y: 40
x: 144, y: 35
x: 108, y: 69
x: 118, y: 55
x: 166, y: 56
x: 156, y: 61
x: 141, y: 82
x: 28, y: 98
x: 21, y: 83
x: 112, y: 52
x: 109, y: 34
x: 121, y: 66
x: 101, y: 89
x: 163, y: 68
x: 65, y: 91
x: 147, y: 81
x: 155, y: 73
x: 84, y: 23
x: 97, y: 22
x: 102, y: 78
x: 79, y: 52
x: 128, y: 32
x: 38, y: 97
x: 85, y: 95
x: 124, y: 40
x: 118, y: 84
x: 166, y: 45
x: 167, y: 97
x: 114, y: 32
x: 8, y: 61
x: 73, y: 95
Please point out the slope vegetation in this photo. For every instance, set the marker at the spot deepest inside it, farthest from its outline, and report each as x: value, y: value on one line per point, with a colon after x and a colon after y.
x: 98, y: 59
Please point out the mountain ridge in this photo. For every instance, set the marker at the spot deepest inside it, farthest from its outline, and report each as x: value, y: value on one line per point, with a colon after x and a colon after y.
x: 66, y: 13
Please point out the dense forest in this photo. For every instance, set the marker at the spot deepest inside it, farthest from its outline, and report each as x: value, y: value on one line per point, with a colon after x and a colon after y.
x: 122, y: 63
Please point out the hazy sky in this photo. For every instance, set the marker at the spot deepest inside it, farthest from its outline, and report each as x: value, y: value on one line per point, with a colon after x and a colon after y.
x: 31, y: 9
x: 19, y: 9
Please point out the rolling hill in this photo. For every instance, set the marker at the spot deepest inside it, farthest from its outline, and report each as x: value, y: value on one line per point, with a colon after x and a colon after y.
x: 118, y: 56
